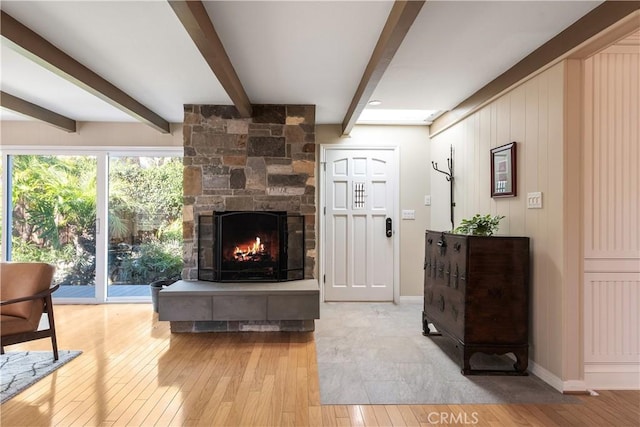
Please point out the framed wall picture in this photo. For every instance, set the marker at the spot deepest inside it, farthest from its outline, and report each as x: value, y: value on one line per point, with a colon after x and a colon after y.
x: 503, y: 171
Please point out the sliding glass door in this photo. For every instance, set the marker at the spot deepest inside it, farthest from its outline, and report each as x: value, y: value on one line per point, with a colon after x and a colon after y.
x: 53, y: 218
x: 111, y: 222
x: 145, y: 223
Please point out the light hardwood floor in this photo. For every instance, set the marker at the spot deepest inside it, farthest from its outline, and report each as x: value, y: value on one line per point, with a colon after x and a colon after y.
x: 134, y: 372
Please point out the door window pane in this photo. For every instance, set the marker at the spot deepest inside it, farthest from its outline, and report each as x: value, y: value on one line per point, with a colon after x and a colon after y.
x: 53, y: 218
x: 145, y: 223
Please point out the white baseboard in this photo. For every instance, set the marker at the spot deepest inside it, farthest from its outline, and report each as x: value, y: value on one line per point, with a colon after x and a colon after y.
x: 570, y: 386
x: 574, y: 386
x: 411, y: 299
x: 596, y: 377
x: 545, y: 375
x: 610, y: 376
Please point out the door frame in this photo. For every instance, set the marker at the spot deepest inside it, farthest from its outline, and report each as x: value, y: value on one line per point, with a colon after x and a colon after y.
x: 324, y: 148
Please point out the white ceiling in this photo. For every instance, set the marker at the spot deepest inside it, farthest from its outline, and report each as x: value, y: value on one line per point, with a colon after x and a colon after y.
x: 284, y: 52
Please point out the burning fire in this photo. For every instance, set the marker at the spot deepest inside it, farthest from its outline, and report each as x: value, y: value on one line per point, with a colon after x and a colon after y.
x: 252, y: 250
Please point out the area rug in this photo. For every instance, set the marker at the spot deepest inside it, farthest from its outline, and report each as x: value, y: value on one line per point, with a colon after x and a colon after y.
x: 21, y: 369
x: 375, y: 353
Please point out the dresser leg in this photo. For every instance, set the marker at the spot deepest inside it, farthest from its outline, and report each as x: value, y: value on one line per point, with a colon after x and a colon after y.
x: 426, y: 331
x: 522, y: 360
x: 465, y: 355
x: 425, y: 325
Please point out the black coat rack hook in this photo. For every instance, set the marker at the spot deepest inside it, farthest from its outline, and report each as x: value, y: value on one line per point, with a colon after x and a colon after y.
x: 449, y: 177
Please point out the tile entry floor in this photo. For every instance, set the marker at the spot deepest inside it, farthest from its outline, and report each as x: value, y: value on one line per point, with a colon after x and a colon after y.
x: 375, y: 353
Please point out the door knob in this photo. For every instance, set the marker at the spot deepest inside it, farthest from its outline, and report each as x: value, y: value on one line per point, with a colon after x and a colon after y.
x: 389, y: 225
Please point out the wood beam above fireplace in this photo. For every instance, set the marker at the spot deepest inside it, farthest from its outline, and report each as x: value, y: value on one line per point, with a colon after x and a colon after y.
x: 193, y: 16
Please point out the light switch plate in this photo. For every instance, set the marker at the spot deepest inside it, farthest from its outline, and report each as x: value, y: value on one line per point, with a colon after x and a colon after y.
x: 427, y: 200
x: 408, y: 214
x: 534, y: 200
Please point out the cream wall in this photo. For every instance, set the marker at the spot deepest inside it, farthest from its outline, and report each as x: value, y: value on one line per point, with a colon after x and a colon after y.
x: 532, y: 115
x: 89, y: 134
x: 413, y: 143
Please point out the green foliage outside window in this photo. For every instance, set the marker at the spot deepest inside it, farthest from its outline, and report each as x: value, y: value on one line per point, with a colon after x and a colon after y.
x: 54, y: 216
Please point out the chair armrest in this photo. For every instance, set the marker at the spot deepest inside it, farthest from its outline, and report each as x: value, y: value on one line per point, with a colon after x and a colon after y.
x: 33, y: 297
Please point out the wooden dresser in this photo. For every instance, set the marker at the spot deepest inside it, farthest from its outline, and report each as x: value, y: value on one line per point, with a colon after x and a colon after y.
x: 476, y: 291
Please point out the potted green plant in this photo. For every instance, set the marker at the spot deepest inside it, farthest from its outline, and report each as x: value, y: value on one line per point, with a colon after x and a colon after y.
x: 479, y: 225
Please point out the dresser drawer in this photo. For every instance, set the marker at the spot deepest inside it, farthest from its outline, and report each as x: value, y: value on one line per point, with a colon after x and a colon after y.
x: 445, y: 308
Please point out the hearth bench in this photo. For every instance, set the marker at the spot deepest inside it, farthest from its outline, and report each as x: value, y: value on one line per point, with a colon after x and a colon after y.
x: 200, y: 306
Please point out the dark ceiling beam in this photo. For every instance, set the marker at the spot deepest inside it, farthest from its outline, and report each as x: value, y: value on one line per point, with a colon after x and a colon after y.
x: 597, y: 20
x: 36, y: 48
x: 193, y: 16
x: 400, y: 19
x: 26, y: 108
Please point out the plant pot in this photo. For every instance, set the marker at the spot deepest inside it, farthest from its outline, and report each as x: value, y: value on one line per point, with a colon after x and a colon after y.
x: 156, y: 287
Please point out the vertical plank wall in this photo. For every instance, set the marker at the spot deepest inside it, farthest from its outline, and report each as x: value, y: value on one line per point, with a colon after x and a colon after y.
x: 532, y: 115
x: 612, y: 216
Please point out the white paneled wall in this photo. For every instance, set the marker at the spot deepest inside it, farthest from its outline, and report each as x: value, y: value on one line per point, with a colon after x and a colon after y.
x: 532, y: 116
x: 611, y: 318
x: 612, y: 218
x: 612, y: 202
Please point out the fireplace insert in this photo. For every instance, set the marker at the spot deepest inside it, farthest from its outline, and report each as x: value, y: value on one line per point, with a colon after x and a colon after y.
x: 248, y: 246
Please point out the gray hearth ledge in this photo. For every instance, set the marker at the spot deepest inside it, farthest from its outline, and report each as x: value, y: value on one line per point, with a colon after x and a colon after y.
x: 198, y: 306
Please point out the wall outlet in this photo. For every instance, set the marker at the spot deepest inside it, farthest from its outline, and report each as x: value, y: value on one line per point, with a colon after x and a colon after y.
x: 534, y: 200
x: 427, y: 200
x: 408, y: 214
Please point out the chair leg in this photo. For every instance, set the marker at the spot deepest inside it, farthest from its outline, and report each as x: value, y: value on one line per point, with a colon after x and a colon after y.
x: 1, y: 349
x: 55, y: 347
x: 52, y: 327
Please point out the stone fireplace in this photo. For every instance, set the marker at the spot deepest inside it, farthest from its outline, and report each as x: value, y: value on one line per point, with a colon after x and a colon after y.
x: 263, y: 165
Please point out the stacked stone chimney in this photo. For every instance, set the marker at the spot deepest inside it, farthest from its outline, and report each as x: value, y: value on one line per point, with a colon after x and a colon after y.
x: 264, y: 163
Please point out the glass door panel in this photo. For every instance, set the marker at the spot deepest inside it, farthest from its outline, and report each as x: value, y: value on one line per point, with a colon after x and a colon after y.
x: 52, y: 218
x: 2, y: 181
x: 145, y: 224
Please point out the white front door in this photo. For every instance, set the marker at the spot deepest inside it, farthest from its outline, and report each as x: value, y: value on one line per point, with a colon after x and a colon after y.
x: 359, y: 200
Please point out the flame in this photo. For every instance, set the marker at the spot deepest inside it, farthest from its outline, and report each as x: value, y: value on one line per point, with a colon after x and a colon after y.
x: 256, y: 248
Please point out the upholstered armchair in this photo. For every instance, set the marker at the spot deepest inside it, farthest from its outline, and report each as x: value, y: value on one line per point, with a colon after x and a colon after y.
x: 25, y: 294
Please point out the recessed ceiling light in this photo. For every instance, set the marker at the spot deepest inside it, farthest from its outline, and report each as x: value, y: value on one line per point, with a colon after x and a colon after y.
x: 375, y: 102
